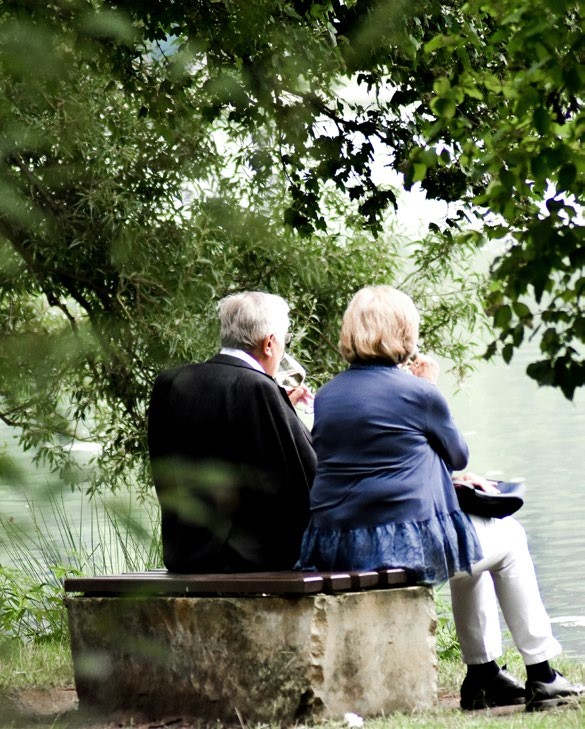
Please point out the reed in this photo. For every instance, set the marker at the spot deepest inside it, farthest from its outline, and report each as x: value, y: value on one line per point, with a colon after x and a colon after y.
x: 64, y: 538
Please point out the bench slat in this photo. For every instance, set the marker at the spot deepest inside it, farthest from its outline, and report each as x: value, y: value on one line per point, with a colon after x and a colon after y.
x: 395, y: 577
x: 365, y: 580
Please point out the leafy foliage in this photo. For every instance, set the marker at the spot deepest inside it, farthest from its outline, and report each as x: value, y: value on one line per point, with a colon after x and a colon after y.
x: 523, y: 158
x: 30, y: 610
x: 479, y: 102
x: 155, y: 157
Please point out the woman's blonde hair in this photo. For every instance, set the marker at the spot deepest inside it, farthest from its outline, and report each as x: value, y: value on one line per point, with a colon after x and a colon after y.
x: 380, y: 322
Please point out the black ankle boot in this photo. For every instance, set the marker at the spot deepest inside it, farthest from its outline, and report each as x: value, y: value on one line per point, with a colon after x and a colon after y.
x: 548, y: 694
x: 501, y: 689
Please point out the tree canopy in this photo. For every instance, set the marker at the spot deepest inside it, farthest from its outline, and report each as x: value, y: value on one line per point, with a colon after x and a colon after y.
x: 156, y: 156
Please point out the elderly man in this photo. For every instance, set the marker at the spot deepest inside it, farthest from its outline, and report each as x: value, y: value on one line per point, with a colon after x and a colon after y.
x: 232, y: 463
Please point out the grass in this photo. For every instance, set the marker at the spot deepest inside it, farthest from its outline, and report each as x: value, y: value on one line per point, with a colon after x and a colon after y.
x: 43, y: 665
x: 455, y: 719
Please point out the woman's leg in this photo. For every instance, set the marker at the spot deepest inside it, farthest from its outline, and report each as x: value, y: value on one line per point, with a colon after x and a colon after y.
x: 477, y: 621
x: 507, y: 569
x: 519, y: 597
x: 508, y: 563
x: 505, y: 575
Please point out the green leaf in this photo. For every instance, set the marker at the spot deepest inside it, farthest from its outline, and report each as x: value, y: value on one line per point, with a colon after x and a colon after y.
x: 491, y: 82
x: 441, y: 41
x: 444, y: 107
x: 541, y: 120
x: 522, y: 311
x: 518, y: 335
x: 495, y: 232
x: 539, y: 168
x: 419, y: 172
x: 474, y: 92
x: 541, y: 371
x: 550, y: 342
x: 567, y: 176
x: 508, y: 179
x: 502, y: 316
x: 529, y: 98
x: 442, y: 86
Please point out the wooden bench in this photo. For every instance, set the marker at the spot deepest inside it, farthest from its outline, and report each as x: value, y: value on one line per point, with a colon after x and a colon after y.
x: 278, y: 647
x: 161, y: 582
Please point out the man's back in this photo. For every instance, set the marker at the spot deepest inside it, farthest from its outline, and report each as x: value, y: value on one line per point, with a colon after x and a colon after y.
x: 232, y: 466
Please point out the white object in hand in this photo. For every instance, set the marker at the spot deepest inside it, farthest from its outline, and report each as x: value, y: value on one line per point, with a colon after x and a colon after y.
x: 290, y: 373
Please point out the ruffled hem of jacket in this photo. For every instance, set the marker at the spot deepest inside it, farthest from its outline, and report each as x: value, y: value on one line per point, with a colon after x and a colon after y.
x: 432, y: 550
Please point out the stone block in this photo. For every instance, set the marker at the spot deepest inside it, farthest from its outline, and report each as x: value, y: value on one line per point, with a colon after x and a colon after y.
x: 276, y: 660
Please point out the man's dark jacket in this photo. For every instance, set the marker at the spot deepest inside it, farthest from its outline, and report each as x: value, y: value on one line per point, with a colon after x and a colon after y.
x: 232, y: 465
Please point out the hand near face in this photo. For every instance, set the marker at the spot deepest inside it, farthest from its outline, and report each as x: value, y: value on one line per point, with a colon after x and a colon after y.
x: 300, y: 395
x: 425, y: 367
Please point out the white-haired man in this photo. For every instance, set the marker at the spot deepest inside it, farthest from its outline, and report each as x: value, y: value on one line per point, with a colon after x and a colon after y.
x: 232, y: 463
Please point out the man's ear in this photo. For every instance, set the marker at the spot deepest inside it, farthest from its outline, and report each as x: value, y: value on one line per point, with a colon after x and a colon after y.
x: 268, y: 345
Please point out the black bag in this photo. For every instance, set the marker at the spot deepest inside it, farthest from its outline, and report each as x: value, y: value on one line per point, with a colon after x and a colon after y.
x: 474, y: 501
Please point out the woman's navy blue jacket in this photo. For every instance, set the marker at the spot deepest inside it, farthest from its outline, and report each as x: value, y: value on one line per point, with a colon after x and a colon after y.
x: 386, y: 446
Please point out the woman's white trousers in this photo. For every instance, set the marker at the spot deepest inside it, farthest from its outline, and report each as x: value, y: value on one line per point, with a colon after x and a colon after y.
x: 506, y: 576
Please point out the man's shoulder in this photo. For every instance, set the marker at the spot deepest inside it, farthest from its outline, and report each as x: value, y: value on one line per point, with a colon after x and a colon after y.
x: 251, y: 383
x: 221, y: 367
x: 169, y: 375
x: 236, y: 368
x: 192, y: 367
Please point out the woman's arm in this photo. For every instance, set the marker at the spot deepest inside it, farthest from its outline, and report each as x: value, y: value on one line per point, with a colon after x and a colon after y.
x: 442, y: 432
x: 444, y: 435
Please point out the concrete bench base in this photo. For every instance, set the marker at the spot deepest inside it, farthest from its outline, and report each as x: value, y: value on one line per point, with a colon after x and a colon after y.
x: 271, y: 659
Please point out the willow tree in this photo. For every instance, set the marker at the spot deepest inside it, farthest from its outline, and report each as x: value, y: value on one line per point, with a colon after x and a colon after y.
x: 141, y: 180
x: 156, y: 156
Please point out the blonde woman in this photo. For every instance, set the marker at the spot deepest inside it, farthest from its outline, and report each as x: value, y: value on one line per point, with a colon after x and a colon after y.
x: 383, y: 496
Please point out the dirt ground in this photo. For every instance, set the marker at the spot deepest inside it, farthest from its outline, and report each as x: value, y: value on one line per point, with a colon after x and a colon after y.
x: 58, y: 709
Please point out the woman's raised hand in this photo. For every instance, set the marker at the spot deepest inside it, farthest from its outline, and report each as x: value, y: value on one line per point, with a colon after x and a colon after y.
x: 425, y: 367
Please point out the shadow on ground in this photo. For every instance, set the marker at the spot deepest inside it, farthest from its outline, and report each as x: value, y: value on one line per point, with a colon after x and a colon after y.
x: 58, y: 709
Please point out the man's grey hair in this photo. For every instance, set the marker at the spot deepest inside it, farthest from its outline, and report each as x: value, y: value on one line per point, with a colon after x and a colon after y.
x: 246, y: 318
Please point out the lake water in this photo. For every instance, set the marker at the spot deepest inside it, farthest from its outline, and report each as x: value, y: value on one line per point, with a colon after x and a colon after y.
x: 515, y: 430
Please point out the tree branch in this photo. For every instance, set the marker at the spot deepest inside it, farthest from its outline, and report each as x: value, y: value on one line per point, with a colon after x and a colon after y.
x: 41, y: 190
